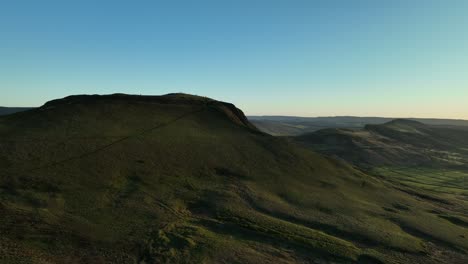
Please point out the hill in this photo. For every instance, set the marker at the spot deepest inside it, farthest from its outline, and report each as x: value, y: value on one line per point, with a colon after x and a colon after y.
x: 293, y: 126
x: 11, y: 110
x: 398, y: 142
x: 187, y: 179
x: 434, y: 158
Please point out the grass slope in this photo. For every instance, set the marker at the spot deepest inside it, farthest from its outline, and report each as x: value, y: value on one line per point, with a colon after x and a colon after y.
x: 186, y: 179
x: 396, y: 143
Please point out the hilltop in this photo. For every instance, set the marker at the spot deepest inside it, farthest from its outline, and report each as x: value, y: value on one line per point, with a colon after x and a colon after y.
x: 188, y: 179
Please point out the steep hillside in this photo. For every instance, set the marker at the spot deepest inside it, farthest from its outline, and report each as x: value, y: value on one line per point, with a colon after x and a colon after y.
x: 186, y: 179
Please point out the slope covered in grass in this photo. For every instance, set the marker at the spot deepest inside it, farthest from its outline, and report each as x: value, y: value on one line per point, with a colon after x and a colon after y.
x: 186, y: 179
x: 396, y: 143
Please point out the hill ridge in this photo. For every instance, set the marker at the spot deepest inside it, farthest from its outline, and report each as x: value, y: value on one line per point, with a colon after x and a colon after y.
x: 230, y: 110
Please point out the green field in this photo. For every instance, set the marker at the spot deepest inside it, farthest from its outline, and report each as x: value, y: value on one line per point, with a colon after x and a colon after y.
x: 437, y: 180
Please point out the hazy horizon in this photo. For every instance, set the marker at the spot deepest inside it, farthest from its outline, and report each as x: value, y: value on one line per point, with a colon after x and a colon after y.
x: 281, y: 115
x: 311, y: 58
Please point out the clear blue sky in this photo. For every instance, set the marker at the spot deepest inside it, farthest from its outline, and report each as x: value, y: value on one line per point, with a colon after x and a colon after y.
x: 283, y: 57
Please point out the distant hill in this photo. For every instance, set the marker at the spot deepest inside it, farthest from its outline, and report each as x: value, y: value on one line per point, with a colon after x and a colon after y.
x: 398, y: 142
x: 292, y: 126
x: 405, y: 152
x: 187, y: 179
x: 11, y: 110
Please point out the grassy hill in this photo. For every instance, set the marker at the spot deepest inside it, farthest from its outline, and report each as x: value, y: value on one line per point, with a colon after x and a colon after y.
x: 187, y: 179
x: 398, y: 142
x: 293, y: 126
x: 432, y: 158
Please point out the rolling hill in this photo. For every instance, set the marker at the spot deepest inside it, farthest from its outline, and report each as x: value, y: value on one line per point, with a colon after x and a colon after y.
x: 187, y: 179
x: 11, y: 110
x: 433, y: 158
x: 399, y: 142
x: 294, y: 126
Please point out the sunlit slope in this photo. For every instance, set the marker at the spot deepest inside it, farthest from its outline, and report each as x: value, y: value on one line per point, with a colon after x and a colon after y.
x: 185, y: 179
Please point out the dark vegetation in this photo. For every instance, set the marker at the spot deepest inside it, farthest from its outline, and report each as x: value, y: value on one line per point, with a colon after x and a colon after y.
x: 186, y: 179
